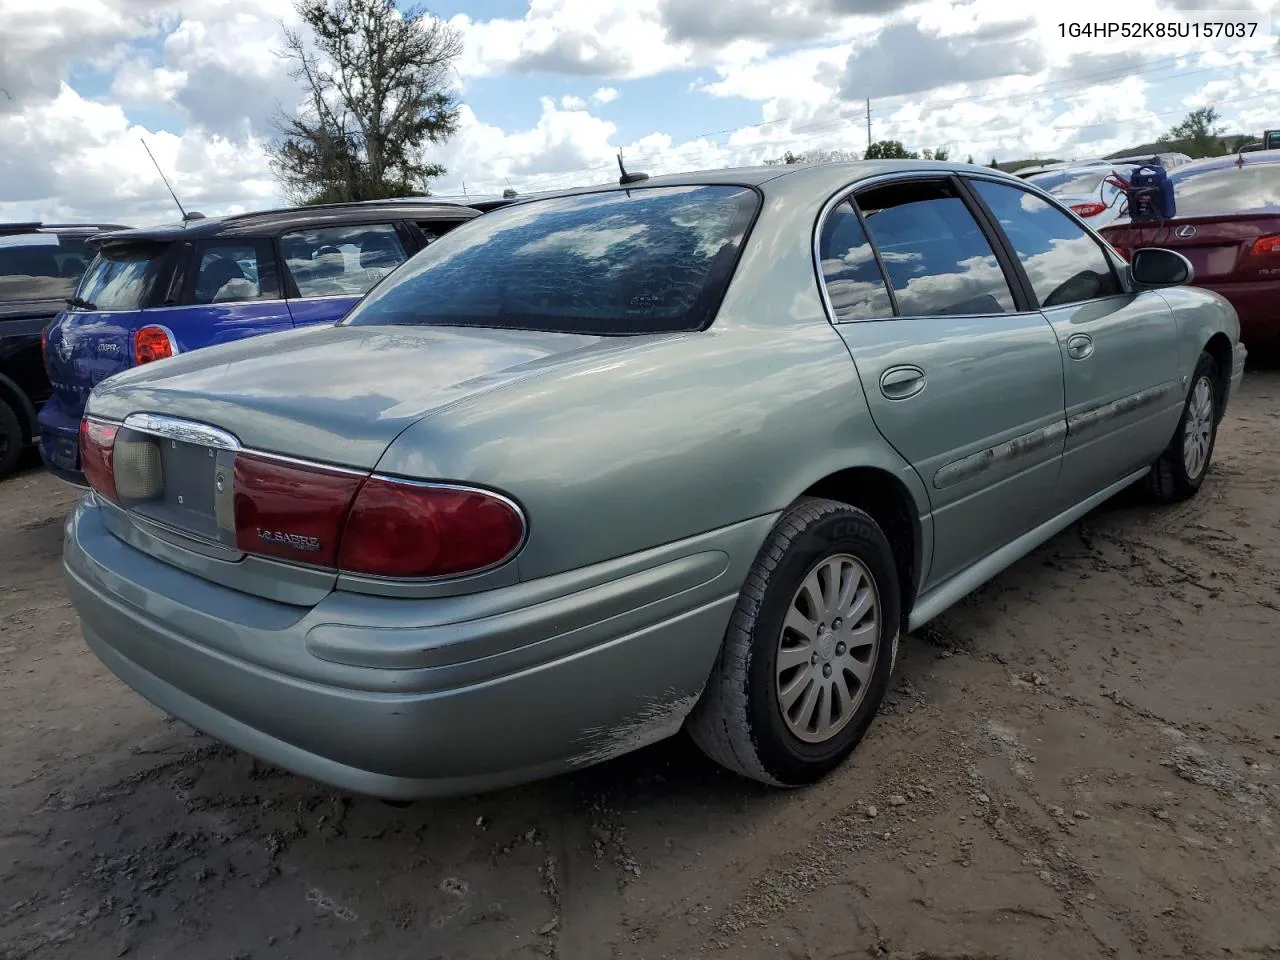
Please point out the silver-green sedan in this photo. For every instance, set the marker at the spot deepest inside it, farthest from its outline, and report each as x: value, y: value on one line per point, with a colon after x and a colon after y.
x: 686, y: 453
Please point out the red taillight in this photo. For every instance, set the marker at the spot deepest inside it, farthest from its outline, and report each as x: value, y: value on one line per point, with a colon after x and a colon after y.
x: 1088, y: 209
x: 97, y: 440
x: 1266, y: 246
x: 403, y: 529
x: 152, y: 343
x: 290, y: 510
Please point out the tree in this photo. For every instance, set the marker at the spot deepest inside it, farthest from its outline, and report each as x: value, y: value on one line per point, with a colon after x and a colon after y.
x: 376, y: 82
x: 813, y: 156
x: 1200, y: 133
x: 970, y: 159
x: 889, y: 150
x: 942, y: 153
x: 994, y: 165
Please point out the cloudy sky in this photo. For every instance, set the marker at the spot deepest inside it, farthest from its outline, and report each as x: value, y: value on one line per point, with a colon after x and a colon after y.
x: 553, y: 88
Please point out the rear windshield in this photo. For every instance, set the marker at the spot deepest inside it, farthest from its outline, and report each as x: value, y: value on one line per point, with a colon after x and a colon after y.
x: 120, y: 277
x: 615, y: 263
x: 41, y: 266
x: 1230, y: 189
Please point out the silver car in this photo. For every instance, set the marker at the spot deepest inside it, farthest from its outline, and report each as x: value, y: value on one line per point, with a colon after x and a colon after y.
x: 691, y: 452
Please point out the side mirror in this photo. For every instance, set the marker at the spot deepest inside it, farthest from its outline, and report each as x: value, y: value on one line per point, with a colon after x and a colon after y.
x: 1157, y: 267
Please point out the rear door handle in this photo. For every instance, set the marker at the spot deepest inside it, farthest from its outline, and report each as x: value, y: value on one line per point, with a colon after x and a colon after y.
x: 1079, y: 346
x: 899, y: 383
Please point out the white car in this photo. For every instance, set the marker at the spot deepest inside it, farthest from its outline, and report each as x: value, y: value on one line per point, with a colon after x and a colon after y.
x: 1088, y: 190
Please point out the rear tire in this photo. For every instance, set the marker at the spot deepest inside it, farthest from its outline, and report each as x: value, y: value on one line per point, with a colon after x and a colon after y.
x: 1181, y: 469
x: 810, y: 646
x: 11, y: 439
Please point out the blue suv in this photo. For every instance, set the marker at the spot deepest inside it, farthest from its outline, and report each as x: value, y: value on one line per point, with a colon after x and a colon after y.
x: 154, y: 292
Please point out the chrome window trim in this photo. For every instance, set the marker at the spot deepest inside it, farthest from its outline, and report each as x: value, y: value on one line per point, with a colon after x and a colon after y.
x: 845, y: 193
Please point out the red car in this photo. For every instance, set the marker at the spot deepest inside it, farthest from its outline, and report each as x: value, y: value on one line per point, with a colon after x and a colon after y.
x: 1228, y: 226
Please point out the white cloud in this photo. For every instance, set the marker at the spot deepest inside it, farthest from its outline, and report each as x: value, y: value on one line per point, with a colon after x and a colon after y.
x: 572, y: 103
x: 605, y: 95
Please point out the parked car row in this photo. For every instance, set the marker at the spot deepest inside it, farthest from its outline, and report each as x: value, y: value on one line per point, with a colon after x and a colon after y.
x: 104, y: 298
x: 688, y: 452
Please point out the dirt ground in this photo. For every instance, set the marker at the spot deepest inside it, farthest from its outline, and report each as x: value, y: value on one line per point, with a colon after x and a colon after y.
x: 1078, y: 761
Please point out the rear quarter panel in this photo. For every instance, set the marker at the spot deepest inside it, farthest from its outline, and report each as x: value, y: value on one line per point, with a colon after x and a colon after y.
x: 666, y: 437
x: 1199, y: 314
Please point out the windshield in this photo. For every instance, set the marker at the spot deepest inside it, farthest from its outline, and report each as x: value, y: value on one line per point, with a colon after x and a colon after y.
x: 645, y: 260
x: 40, y: 266
x: 120, y: 277
x: 1228, y: 189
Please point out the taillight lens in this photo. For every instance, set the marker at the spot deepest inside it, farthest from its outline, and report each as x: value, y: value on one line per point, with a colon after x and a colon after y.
x: 151, y: 343
x: 1088, y: 209
x: 290, y: 510
x: 403, y: 529
x: 97, y: 442
x: 1266, y: 246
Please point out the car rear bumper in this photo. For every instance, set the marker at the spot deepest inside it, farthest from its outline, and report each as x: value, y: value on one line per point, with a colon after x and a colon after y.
x: 536, y: 679
x: 59, y: 442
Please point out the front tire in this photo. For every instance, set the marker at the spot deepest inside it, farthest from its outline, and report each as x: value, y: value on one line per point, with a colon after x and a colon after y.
x: 810, y: 646
x: 1181, y: 469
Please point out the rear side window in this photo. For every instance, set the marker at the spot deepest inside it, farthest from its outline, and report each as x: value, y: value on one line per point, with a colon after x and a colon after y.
x: 341, y: 261
x: 41, y: 266
x: 1230, y: 189
x: 618, y: 262
x: 938, y: 259
x: 433, y: 230
x: 1064, y: 264
x: 849, y: 269
x: 121, y: 276
x: 234, y: 272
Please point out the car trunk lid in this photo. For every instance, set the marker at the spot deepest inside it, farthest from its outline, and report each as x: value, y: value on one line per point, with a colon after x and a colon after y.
x: 1220, y: 248
x: 330, y: 396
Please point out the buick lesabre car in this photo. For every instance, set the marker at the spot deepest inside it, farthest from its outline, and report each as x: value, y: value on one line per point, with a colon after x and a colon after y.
x: 689, y: 452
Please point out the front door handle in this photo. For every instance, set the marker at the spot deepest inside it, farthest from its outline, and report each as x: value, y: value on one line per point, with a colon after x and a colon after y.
x: 1080, y: 346
x: 899, y: 383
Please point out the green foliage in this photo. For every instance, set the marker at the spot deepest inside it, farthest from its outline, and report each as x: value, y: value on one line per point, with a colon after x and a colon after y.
x: 377, y: 94
x: 1199, y: 133
x: 890, y: 150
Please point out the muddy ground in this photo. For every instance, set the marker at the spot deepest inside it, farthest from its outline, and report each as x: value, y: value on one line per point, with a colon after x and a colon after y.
x: 1079, y: 761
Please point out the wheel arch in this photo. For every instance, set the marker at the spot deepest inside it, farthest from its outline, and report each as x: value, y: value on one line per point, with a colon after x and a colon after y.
x: 1218, y: 346
x: 891, y: 504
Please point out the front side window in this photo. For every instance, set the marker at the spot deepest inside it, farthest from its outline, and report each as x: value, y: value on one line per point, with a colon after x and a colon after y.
x: 937, y: 257
x: 41, y: 266
x: 1063, y: 262
x: 121, y: 276
x: 231, y: 273
x: 1234, y: 188
x: 849, y: 269
x: 615, y: 262
x: 341, y: 261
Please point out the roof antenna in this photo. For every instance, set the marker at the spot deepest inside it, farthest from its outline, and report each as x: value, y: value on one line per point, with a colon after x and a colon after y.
x: 627, y: 178
x: 185, y: 216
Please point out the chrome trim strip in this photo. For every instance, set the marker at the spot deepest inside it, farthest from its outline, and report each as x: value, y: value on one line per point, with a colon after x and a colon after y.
x: 188, y: 431
x: 847, y: 191
x: 1095, y: 416
x: 298, y: 461
x: 1020, y: 446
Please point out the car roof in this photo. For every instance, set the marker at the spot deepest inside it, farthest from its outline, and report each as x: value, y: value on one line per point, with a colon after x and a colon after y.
x: 1230, y: 160
x: 271, y: 222
x: 787, y: 178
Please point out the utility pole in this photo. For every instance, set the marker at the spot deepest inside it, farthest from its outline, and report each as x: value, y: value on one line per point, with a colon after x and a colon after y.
x: 868, y: 124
